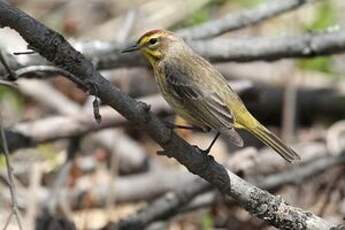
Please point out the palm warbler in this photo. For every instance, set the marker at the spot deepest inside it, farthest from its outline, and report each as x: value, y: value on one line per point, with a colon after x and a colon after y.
x: 199, y: 93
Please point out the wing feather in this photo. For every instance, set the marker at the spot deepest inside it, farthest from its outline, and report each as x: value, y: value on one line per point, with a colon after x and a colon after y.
x: 202, y: 101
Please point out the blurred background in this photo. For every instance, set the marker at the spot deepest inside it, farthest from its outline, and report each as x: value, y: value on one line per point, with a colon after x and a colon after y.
x: 71, y: 172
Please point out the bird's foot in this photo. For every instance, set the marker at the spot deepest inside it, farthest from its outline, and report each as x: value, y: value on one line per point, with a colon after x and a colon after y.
x: 194, y: 128
x: 205, y: 152
x: 164, y: 153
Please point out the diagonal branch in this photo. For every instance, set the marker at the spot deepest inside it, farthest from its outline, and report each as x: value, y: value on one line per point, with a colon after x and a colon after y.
x: 169, y: 204
x: 235, y: 21
x: 164, y: 207
x: 57, y: 50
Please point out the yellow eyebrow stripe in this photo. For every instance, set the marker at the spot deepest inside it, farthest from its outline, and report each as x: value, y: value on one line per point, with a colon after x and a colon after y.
x: 144, y: 40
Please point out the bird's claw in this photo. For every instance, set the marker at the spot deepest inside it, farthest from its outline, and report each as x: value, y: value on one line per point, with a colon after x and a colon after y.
x: 169, y: 125
x: 205, y: 152
x: 164, y: 153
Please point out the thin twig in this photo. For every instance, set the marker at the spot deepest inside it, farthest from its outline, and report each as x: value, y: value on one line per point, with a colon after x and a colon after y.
x: 12, y: 188
x: 331, y: 188
x: 49, y: 69
x: 289, y: 107
x: 24, y: 52
x: 12, y: 76
x: 56, y: 196
x: 56, y: 70
x: 235, y: 21
x: 8, y: 83
x: 165, y: 206
x: 8, y: 221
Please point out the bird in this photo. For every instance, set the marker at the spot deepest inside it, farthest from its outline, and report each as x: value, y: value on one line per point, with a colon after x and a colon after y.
x: 199, y: 93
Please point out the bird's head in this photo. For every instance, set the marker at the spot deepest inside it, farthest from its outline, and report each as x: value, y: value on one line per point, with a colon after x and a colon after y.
x: 154, y: 44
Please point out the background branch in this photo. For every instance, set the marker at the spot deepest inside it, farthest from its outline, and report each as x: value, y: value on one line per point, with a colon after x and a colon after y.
x: 106, y: 55
x: 11, y: 184
x: 235, y: 21
x: 182, y: 197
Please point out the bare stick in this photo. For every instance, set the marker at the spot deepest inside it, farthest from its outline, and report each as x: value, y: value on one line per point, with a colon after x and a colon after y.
x: 8, y: 83
x: 235, y: 21
x: 8, y: 221
x: 164, y: 207
x: 24, y: 52
x: 12, y: 75
x: 12, y: 187
x: 106, y: 55
x: 15, y: 209
x: 49, y: 69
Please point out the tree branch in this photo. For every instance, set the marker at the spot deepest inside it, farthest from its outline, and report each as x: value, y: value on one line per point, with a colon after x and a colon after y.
x: 271, y: 49
x: 169, y: 204
x: 164, y: 207
x: 57, y: 50
x: 235, y: 21
x: 107, y: 55
x: 225, y: 50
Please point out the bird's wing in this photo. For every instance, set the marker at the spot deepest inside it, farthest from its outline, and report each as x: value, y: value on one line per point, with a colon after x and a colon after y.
x: 201, y: 101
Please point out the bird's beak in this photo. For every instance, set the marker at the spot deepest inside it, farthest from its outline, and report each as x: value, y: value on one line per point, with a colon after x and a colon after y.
x: 131, y: 48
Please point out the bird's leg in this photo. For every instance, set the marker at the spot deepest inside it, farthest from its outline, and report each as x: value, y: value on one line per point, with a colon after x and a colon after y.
x: 206, y: 151
x: 174, y: 126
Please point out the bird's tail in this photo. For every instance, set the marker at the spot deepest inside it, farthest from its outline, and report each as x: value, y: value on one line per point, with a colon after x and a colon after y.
x: 271, y: 140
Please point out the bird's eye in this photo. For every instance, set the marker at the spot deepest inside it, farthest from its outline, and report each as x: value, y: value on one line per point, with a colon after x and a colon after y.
x: 153, y: 41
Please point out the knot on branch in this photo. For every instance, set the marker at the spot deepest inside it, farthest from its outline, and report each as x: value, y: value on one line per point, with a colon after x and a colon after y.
x: 144, y: 111
x: 54, y: 47
x: 51, y: 43
x: 310, y: 48
x: 212, y: 171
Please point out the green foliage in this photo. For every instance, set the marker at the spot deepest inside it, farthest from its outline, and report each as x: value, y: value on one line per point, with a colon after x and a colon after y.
x: 11, y: 97
x: 325, y: 17
x: 204, y: 14
x: 322, y: 64
x: 2, y: 161
x: 198, y: 17
x: 248, y: 3
x: 207, y: 222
